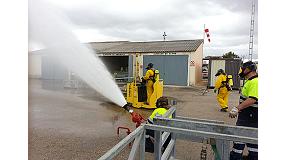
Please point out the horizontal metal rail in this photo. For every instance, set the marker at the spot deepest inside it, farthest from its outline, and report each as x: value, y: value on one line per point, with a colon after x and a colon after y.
x: 199, y: 120
x: 189, y: 132
x: 207, y: 127
x: 119, y: 78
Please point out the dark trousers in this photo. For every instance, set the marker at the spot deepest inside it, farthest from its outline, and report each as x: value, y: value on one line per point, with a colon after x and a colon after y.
x: 236, y: 153
x: 149, y: 144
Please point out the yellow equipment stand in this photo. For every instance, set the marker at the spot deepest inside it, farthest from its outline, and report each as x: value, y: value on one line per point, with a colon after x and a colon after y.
x: 138, y: 99
x: 133, y: 94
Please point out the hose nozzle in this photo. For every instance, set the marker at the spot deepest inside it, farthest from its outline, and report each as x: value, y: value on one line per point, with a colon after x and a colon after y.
x: 127, y: 107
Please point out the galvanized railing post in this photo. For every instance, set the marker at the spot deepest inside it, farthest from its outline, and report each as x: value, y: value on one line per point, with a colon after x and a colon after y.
x: 142, y: 146
x: 157, y: 145
x: 173, y: 137
x: 135, y: 147
x: 226, y: 150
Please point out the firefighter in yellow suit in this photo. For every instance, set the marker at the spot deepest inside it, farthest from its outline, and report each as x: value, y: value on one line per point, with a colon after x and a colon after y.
x: 223, y: 93
x: 149, y: 78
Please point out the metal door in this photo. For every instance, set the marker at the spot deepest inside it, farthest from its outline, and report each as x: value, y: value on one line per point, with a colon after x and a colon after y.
x: 215, y: 65
x: 232, y: 68
x: 173, y: 69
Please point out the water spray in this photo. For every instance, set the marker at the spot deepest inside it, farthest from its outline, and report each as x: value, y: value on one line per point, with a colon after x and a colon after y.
x: 49, y: 27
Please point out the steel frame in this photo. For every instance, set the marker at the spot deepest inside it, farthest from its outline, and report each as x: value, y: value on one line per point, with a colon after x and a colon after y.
x: 215, y: 132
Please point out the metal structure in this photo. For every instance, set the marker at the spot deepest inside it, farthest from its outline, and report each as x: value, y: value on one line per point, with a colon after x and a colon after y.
x: 164, y: 35
x: 216, y: 133
x: 251, y: 31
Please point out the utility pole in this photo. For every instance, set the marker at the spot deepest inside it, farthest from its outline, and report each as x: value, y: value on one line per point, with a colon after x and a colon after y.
x: 204, y: 32
x: 164, y: 35
x: 251, y: 33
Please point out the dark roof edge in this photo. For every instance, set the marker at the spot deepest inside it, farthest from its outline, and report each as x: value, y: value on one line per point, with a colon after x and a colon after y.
x: 146, y: 41
x: 144, y: 52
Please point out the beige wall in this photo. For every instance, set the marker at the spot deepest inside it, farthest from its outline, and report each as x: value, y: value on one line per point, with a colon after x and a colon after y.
x: 197, y: 57
x: 35, y: 63
x: 192, y: 78
x: 139, y: 60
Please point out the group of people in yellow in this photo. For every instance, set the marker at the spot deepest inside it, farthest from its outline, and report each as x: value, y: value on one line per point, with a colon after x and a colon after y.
x: 246, y: 111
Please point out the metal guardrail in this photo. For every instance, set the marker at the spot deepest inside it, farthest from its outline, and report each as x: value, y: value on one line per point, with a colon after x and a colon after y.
x: 219, y: 135
x: 123, y: 78
x: 136, y: 134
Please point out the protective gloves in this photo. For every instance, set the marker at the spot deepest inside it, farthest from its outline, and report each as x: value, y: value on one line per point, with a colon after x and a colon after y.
x: 233, y: 113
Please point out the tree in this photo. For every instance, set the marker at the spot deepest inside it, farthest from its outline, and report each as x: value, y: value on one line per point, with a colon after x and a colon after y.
x: 230, y: 55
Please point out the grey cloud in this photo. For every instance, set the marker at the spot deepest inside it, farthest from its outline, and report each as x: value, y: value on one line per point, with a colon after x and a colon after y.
x: 180, y: 19
x: 237, y: 5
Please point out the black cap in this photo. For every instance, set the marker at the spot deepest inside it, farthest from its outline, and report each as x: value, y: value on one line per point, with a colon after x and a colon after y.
x: 220, y: 71
x: 150, y: 65
x: 250, y: 65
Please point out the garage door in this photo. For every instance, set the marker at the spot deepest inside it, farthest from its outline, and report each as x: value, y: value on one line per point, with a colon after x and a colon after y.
x: 173, y: 68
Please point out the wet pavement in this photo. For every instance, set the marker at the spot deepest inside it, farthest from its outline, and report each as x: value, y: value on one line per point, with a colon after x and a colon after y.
x: 72, y: 123
x: 81, y: 124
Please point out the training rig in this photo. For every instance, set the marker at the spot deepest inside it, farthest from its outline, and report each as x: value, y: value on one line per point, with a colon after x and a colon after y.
x: 136, y: 91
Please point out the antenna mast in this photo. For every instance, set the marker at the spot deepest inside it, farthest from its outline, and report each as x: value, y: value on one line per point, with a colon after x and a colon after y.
x: 251, y: 31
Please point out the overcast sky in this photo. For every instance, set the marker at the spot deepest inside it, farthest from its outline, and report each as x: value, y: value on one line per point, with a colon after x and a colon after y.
x: 145, y: 20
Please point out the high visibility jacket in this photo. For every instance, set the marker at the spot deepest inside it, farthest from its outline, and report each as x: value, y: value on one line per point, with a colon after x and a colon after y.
x: 219, y: 83
x: 249, y: 90
x: 157, y: 112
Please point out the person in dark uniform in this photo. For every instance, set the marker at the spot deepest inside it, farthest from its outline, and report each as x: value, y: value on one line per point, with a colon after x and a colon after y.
x: 247, y: 110
x: 162, y: 108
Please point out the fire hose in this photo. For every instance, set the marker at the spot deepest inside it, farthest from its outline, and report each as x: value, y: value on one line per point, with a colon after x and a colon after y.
x: 136, y: 117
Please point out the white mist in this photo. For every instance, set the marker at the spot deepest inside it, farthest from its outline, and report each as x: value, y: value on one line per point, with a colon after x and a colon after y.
x: 50, y: 28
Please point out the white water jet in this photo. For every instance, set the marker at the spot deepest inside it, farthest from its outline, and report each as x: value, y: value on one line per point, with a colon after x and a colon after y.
x: 50, y: 28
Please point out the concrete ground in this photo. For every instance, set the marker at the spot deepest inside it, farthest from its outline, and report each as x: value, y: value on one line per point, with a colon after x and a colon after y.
x: 80, y: 124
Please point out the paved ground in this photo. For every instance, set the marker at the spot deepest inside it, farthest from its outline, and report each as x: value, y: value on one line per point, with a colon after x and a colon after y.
x: 80, y: 124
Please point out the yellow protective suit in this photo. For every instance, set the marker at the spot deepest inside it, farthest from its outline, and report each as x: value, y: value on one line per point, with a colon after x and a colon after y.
x: 149, y: 83
x: 223, y: 93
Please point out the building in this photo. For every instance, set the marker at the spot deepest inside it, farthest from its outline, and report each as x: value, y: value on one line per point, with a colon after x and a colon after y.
x: 179, y: 61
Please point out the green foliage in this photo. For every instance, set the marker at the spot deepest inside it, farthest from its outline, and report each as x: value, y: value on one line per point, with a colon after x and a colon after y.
x: 230, y: 55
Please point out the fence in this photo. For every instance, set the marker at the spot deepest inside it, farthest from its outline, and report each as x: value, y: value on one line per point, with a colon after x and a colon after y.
x: 216, y: 133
